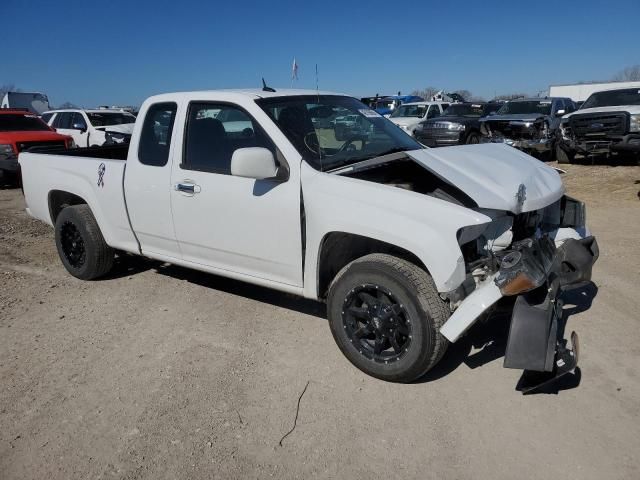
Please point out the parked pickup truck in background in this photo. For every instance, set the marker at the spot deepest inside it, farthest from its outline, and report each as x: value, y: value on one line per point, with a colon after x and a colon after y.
x: 458, y: 125
x: 408, y: 246
x: 528, y: 124
x: 408, y: 115
x: 607, y: 122
x: 20, y: 131
x: 92, y: 128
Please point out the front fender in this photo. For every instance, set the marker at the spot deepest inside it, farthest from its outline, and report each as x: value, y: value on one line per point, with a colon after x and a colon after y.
x: 422, y: 225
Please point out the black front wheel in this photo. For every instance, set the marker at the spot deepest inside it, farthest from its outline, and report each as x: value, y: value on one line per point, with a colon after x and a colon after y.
x: 473, y: 138
x: 385, y: 315
x: 80, y: 243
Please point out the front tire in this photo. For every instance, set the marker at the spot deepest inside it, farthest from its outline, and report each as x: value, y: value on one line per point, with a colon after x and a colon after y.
x: 80, y: 243
x: 473, y: 139
x: 385, y: 314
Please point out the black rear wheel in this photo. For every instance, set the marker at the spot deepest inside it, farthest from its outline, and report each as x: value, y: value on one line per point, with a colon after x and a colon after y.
x: 80, y: 243
x: 385, y: 315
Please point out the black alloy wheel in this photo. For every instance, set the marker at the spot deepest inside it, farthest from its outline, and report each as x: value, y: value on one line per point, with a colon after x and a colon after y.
x: 377, y: 323
x: 72, y: 245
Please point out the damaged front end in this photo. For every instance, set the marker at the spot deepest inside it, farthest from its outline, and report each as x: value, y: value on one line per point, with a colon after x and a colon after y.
x: 530, y: 135
x: 531, y: 256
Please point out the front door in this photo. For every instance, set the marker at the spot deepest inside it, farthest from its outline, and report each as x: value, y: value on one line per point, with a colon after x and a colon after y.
x: 251, y: 227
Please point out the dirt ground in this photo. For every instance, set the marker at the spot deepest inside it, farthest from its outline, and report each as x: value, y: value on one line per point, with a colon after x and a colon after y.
x: 159, y: 373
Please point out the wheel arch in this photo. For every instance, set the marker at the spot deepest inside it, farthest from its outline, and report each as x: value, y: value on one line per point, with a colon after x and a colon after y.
x: 338, y: 249
x: 59, y: 199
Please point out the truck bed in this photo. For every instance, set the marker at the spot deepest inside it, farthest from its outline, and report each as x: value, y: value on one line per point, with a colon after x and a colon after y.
x: 113, y: 152
x: 93, y: 175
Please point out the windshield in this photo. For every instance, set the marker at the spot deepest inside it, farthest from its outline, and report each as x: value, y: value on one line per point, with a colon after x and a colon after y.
x: 21, y: 123
x: 107, y: 119
x: 543, y: 107
x: 629, y: 96
x: 330, y: 131
x: 464, y: 110
x: 417, y: 111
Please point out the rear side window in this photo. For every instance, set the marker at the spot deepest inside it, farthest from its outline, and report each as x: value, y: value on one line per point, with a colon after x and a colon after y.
x: 155, y: 138
x: 46, y: 117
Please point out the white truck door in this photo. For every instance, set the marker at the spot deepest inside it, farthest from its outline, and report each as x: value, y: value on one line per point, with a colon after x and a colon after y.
x: 247, y: 226
x: 147, y: 181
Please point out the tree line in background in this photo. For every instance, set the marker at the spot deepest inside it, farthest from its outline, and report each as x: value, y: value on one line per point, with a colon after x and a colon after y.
x: 628, y: 74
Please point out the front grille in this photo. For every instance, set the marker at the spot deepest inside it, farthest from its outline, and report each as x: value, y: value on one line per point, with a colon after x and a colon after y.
x: 596, y: 125
x: 437, y: 125
x: 25, y: 146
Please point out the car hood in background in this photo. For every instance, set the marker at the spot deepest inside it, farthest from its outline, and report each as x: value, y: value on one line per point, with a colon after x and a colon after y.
x: 405, y: 121
x: 495, y: 176
x: 122, y: 128
x: 31, y: 136
x: 453, y: 119
x: 520, y: 117
x: 617, y: 108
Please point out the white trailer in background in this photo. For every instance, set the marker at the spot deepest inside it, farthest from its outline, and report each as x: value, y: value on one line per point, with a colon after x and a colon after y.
x: 579, y: 92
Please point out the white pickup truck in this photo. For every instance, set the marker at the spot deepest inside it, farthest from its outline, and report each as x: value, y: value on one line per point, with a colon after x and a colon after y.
x: 408, y: 246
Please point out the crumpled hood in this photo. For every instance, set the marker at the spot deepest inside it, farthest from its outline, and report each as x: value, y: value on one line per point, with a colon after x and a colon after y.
x: 492, y: 175
x: 122, y: 128
x: 520, y: 117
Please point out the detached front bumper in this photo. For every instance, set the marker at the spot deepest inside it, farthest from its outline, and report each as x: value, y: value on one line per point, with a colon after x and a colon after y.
x: 542, y: 270
x: 619, y: 143
x: 537, y: 145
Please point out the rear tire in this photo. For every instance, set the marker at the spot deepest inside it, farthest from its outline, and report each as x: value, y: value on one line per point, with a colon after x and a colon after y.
x: 385, y: 314
x: 80, y: 243
x: 562, y: 156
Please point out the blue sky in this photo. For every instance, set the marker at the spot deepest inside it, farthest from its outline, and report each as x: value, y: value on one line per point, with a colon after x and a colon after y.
x: 120, y: 52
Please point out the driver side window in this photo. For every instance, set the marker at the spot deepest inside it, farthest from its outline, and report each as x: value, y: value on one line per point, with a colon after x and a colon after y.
x: 214, y: 132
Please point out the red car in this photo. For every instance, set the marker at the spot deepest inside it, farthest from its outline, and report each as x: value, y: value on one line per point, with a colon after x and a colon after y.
x: 20, y: 130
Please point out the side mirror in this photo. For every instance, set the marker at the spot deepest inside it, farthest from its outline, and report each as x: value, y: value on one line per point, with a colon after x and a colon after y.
x: 79, y: 126
x: 560, y: 112
x: 254, y: 162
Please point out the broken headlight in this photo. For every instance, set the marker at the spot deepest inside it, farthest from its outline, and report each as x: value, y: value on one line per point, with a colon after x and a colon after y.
x: 526, y: 267
x: 113, y: 137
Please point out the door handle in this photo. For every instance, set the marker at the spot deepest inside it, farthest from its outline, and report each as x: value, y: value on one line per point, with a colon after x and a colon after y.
x: 187, y: 187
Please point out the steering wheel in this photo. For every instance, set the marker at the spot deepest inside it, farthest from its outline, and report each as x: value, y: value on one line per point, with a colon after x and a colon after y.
x: 312, y: 143
x: 349, y: 143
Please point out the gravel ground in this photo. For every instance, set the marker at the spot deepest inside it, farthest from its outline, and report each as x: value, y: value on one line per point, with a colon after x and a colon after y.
x: 159, y: 372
